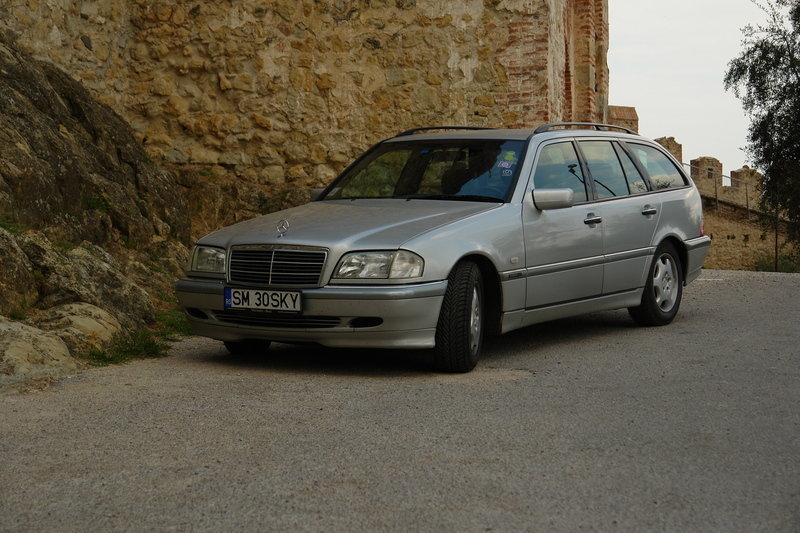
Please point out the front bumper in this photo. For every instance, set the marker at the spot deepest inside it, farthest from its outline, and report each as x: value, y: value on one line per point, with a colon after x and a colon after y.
x: 397, y: 316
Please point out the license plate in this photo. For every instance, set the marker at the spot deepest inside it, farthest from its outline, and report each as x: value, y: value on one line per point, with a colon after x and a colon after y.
x: 287, y: 301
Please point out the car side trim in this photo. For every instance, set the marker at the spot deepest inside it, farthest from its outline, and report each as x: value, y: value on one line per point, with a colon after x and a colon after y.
x: 630, y: 254
x: 698, y: 242
x: 578, y: 263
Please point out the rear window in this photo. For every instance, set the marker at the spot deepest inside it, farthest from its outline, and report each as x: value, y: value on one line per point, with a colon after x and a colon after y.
x: 663, y: 172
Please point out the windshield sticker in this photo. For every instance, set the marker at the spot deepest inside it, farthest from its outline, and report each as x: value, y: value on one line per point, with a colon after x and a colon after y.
x: 505, y: 164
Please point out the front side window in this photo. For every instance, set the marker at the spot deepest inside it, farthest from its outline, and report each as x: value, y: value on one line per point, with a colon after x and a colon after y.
x: 558, y: 168
x: 663, y: 172
x: 480, y: 170
x: 607, y: 175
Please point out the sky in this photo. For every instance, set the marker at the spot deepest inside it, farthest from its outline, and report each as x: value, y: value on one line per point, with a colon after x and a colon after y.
x: 668, y: 59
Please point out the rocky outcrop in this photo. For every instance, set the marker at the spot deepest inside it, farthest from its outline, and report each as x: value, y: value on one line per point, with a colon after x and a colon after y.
x: 88, y: 223
x: 70, y: 166
x: 86, y: 273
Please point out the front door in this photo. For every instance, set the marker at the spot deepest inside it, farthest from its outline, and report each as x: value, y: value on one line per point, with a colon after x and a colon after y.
x: 563, y: 247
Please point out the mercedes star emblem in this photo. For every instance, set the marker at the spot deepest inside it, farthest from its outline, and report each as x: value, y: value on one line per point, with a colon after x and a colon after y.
x: 282, y: 227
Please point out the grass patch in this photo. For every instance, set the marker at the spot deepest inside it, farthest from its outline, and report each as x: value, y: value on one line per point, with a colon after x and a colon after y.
x: 18, y: 315
x: 172, y: 323
x: 143, y: 343
x: 11, y: 225
x: 96, y: 203
x: 139, y: 344
x: 786, y: 263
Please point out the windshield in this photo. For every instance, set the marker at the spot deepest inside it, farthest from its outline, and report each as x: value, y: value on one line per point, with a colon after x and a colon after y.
x: 475, y: 170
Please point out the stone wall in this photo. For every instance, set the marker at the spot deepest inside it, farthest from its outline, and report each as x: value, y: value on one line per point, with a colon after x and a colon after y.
x: 738, y: 241
x: 624, y: 116
x: 741, y: 188
x: 672, y: 146
x: 285, y: 93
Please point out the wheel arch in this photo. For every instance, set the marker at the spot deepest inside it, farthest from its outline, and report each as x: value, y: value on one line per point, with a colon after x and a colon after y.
x: 492, y: 291
x: 683, y: 254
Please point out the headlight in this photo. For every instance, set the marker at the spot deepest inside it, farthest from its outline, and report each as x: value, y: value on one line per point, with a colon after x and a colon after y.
x: 380, y: 265
x: 207, y: 259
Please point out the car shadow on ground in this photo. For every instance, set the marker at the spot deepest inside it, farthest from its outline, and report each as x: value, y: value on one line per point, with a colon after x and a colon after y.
x: 497, y: 351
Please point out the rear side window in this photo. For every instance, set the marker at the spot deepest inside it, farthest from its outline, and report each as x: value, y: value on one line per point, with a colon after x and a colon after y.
x: 558, y: 168
x: 663, y: 172
x: 607, y: 175
x: 635, y: 180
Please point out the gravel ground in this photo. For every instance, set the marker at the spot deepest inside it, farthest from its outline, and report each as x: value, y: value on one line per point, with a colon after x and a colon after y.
x: 581, y: 424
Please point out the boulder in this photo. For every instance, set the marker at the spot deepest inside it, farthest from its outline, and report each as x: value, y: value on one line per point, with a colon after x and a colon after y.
x: 83, y: 327
x: 28, y: 353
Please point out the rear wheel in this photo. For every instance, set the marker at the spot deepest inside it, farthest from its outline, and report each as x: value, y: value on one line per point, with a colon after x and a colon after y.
x: 252, y: 347
x: 664, y: 289
x: 459, y: 332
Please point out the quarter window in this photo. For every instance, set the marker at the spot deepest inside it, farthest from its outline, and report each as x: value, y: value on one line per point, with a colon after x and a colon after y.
x: 604, y: 166
x: 663, y: 172
x: 558, y: 168
x: 635, y: 180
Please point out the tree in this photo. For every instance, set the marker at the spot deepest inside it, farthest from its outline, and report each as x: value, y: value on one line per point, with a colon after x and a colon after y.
x: 766, y: 78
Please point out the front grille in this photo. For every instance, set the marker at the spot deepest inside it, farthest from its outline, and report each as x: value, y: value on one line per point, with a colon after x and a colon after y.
x: 269, y: 320
x: 266, y: 266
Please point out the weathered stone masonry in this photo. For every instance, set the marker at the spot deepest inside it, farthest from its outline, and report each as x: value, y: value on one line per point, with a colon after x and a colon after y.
x: 286, y: 92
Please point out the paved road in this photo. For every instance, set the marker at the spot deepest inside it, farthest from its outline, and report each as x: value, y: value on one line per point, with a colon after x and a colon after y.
x: 581, y: 424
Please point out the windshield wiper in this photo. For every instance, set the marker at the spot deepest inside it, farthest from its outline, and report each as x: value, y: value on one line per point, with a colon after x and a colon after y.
x: 459, y: 197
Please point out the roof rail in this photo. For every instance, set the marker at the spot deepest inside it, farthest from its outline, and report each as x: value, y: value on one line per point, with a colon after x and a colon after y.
x: 429, y: 128
x: 599, y: 127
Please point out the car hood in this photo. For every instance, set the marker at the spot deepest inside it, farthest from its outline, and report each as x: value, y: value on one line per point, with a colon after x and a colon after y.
x: 354, y: 224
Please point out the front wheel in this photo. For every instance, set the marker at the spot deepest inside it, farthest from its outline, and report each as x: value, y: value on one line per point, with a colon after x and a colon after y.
x: 459, y: 332
x: 664, y: 289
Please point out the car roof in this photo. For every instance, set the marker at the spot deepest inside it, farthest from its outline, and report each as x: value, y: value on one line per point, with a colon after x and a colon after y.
x: 522, y: 134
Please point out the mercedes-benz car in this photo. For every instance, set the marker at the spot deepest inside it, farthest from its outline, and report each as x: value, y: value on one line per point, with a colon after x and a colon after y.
x: 441, y: 237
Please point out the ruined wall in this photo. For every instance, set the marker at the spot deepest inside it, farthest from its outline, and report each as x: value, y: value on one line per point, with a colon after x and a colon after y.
x: 672, y: 146
x: 285, y: 93
x: 741, y: 189
x: 738, y: 241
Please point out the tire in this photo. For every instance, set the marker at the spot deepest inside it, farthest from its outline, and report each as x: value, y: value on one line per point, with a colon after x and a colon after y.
x: 460, y: 330
x: 663, y: 291
x: 251, y: 347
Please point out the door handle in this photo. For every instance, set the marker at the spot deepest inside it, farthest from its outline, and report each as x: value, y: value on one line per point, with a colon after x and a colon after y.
x: 592, y: 219
x: 649, y: 210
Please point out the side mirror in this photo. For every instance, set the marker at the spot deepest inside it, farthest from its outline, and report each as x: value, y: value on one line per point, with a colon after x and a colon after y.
x: 553, y: 198
x: 315, y: 194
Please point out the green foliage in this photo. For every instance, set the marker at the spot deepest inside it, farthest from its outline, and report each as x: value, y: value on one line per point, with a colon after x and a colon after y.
x: 786, y: 263
x: 96, y: 203
x: 138, y: 344
x: 766, y: 78
x: 17, y: 314
x: 143, y: 343
x: 11, y: 224
x: 172, y: 323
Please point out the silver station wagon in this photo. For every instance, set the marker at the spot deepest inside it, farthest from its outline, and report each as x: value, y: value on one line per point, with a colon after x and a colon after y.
x: 440, y: 237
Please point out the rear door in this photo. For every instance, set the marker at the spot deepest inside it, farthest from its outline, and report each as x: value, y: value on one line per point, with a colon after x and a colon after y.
x: 630, y: 213
x: 563, y: 247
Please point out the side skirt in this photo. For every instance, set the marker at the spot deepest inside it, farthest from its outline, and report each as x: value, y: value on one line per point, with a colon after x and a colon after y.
x: 526, y: 317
